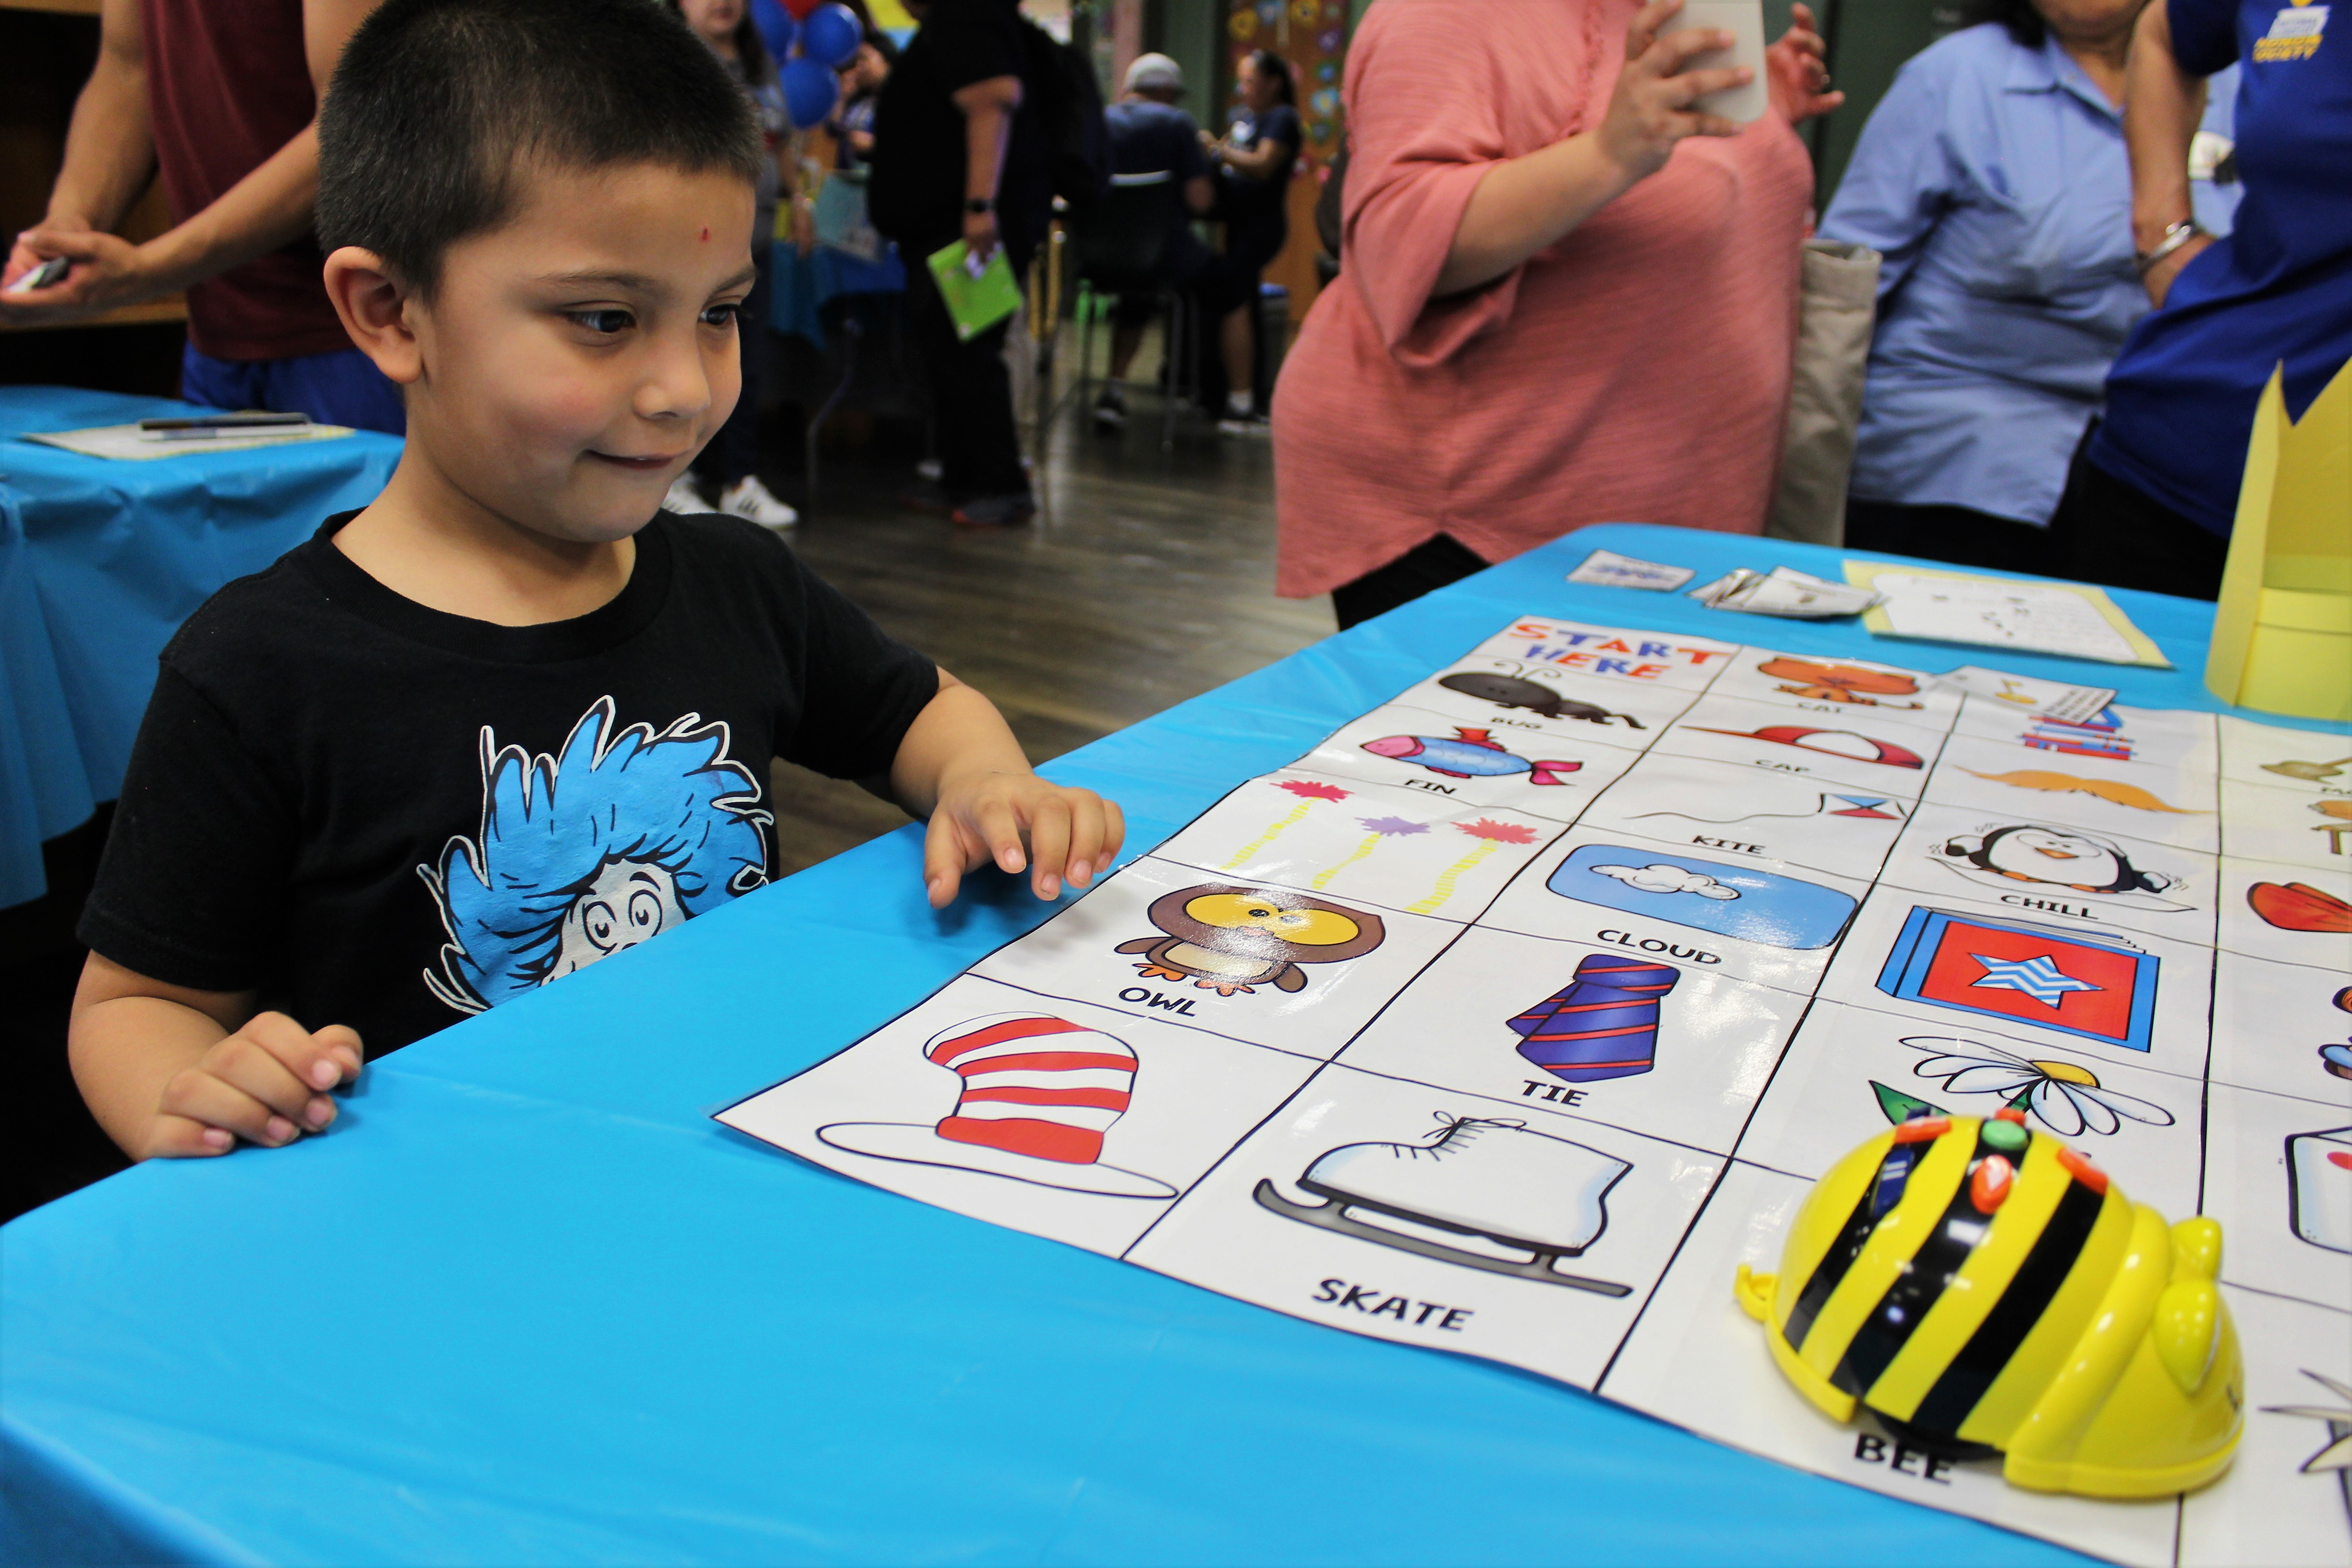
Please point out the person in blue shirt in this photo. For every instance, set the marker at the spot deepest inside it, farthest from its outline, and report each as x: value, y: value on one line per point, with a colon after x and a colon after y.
x: 1993, y: 180
x: 1153, y: 143
x: 2153, y: 492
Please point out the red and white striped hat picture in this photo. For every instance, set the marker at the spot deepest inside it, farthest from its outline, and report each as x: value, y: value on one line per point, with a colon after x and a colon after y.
x: 1038, y: 1094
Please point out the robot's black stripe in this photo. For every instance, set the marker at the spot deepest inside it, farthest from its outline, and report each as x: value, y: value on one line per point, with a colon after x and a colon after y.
x: 1843, y: 1250
x: 2051, y: 1258
x: 1916, y: 1288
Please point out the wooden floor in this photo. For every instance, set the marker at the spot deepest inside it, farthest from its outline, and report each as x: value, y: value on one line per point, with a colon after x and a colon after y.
x: 1147, y: 579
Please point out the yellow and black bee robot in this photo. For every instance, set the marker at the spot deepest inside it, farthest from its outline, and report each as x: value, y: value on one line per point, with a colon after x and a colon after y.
x: 1981, y: 1288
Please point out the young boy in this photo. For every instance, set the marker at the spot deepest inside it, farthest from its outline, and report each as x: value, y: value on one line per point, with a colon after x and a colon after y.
x: 506, y: 720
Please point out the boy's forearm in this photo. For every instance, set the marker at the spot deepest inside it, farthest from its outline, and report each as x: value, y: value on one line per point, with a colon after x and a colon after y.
x: 958, y: 731
x: 124, y: 1050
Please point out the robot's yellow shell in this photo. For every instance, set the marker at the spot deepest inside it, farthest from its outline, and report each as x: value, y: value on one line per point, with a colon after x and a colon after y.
x: 1977, y: 1285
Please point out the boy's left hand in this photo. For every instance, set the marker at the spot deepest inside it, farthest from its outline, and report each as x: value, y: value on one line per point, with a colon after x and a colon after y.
x: 1020, y: 822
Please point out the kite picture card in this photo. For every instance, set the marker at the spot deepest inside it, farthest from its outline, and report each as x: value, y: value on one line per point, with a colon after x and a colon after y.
x: 1531, y: 1077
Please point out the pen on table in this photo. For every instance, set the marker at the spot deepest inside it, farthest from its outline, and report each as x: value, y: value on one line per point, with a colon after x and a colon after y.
x: 206, y: 427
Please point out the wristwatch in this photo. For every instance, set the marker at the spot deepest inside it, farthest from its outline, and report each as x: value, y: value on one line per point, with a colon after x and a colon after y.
x: 979, y: 203
x: 2175, y: 236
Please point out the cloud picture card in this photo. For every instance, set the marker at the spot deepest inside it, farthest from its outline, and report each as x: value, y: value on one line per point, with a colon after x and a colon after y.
x: 1725, y: 807
x: 1412, y: 748
x: 1676, y: 1050
x: 1351, y: 840
x: 1442, y: 1219
x: 1294, y: 971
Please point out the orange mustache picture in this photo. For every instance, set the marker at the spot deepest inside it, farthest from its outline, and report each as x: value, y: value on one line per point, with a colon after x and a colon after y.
x: 2112, y: 791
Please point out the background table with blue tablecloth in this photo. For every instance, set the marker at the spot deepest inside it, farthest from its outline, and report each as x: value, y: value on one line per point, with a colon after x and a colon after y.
x: 528, y: 1303
x: 99, y: 562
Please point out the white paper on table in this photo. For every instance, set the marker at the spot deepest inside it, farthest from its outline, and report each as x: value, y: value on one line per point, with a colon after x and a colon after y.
x: 1610, y: 570
x: 2071, y: 620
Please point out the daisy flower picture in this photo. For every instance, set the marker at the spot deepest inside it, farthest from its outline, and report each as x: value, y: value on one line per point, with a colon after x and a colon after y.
x: 2065, y: 1097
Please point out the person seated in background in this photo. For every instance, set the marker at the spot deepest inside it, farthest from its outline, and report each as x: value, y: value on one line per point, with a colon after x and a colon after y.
x: 852, y: 122
x: 510, y: 717
x: 1258, y: 155
x: 1152, y: 142
x: 728, y: 468
x: 2153, y: 492
x: 1992, y: 179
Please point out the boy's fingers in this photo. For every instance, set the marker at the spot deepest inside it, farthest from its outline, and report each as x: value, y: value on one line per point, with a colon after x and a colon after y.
x: 182, y: 1138
x: 249, y: 1065
x: 1049, y: 845
x: 342, y: 1042
x: 311, y: 1059
x: 943, y: 859
x: 1088, y: 825
x: 200, y: 1097
x: 1000, y: 829
x: 1114, y: 833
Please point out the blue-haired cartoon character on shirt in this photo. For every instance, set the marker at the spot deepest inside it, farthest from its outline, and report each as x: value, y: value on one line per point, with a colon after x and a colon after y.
x: 619, y: 837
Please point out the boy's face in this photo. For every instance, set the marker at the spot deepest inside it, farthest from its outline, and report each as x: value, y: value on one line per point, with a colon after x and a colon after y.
x: 576, y: 358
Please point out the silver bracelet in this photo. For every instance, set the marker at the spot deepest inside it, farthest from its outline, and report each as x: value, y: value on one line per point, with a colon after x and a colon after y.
x: 2174, y: 237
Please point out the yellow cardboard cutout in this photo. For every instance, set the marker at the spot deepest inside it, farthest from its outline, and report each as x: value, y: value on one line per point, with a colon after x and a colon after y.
x: 2283, y: 631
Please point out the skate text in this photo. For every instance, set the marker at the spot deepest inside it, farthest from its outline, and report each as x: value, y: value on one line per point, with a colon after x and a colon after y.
x: 1378, y: 1303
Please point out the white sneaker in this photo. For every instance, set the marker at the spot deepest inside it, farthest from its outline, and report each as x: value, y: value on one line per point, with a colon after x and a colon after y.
x: 747, y: 498
x: 684, y: 498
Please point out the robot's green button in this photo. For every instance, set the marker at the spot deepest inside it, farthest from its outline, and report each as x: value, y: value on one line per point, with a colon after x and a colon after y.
x: 2005, y: 1135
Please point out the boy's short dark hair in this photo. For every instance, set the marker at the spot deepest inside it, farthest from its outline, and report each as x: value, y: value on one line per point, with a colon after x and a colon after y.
x: 437, y: 103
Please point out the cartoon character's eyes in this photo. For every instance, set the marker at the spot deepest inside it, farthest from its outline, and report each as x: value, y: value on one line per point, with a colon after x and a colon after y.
x: 598, y: 923
x: 645, y: 913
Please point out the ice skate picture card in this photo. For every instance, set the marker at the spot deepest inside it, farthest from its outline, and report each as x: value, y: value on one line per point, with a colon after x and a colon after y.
x: 2288, y: 827
x: 2182, y: 743
x: 2283, y: 1029
x: 1509, y: 695
x: 2294, y: 914
x: 1697, y: 1360
x: 1441, y: 1219
x: 1297, y: 971
x: 2279, y: 1178
x: 1067, y: 1122
x: 1852, y: 1071
x: 2288, y: 1498
x: 1851, y: 687
x: 2151, y: 805
x: 1652, y: 901
x: 1412, y: 749
x: 2310, y: 762
x: 1613, y: 654
x: 2055, y: 871
x: 1862, y: 753
x: 1677, y: 1050
x: 1723, y: 808
x: 1357, y: 842
x: 2110, y: 995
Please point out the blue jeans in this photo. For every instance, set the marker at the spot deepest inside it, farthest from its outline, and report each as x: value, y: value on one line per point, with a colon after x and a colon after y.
x: 339, y: 388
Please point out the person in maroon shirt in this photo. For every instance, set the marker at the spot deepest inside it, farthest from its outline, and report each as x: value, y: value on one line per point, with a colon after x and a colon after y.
x: 221, y: 98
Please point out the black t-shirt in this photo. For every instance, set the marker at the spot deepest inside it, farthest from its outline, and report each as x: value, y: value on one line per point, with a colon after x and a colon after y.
x: 1148, y: 139
x: 1263, y: 204
x: 376, y: 814
x: 916, y: 190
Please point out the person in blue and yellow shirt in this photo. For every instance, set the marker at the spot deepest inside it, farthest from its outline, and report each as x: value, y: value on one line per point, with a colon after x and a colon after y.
x: 2154, y: 489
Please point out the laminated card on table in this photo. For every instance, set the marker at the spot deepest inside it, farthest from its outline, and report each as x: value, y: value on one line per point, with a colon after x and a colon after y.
x: 1518, y: 1016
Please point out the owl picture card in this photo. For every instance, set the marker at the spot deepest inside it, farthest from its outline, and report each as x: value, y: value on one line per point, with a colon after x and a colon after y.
x: 1348, y: 840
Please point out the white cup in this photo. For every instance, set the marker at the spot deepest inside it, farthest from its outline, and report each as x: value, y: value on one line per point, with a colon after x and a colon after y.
x: 1744, y: 20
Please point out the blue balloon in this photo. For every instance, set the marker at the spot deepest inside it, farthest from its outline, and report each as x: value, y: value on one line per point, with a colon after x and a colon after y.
x: 830, y: 35
x: 777, y: 29
x: 809, y: 90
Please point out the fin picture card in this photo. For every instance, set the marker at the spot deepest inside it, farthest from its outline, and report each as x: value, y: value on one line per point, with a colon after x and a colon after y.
x: 1522, y: 1013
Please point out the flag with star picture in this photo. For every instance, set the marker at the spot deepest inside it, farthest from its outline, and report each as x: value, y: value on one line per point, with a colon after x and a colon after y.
x: 2101, y: 990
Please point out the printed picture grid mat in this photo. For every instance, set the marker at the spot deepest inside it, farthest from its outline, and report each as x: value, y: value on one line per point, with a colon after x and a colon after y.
x: 1521, y: 1010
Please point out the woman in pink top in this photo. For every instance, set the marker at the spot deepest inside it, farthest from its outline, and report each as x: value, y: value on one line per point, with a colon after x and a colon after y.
x: 1549, y: 311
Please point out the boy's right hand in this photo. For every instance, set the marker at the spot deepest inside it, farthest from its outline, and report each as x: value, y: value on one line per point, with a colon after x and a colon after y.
x: 267, y: 1083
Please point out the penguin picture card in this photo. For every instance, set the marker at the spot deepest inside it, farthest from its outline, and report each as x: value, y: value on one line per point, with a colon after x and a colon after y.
x: 1725, y: 807
x: 2293, y: 914
x: 2154, y: 804
x: 1412, y: 748
x: 1510, y: 697
x: 1675, y: 1049
x: 2289, y: 826
x: 1442, y: 1219
x: 1613, y: 654
x: 1837, y: 688
x: 1297, y: 971
x: 1867, y: 752
x: 1348, y: 840
x: 1074, y: 1122
x: 2055, y: 871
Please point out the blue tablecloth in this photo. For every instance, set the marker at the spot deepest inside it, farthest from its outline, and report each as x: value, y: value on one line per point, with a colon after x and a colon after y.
x: 528, y: 1303
x: 99, y: 562
x: 802, y: 285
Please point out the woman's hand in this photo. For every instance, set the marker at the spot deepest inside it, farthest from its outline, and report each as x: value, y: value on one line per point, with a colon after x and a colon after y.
x: 1796, y: 72
x: 1651, y: 108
